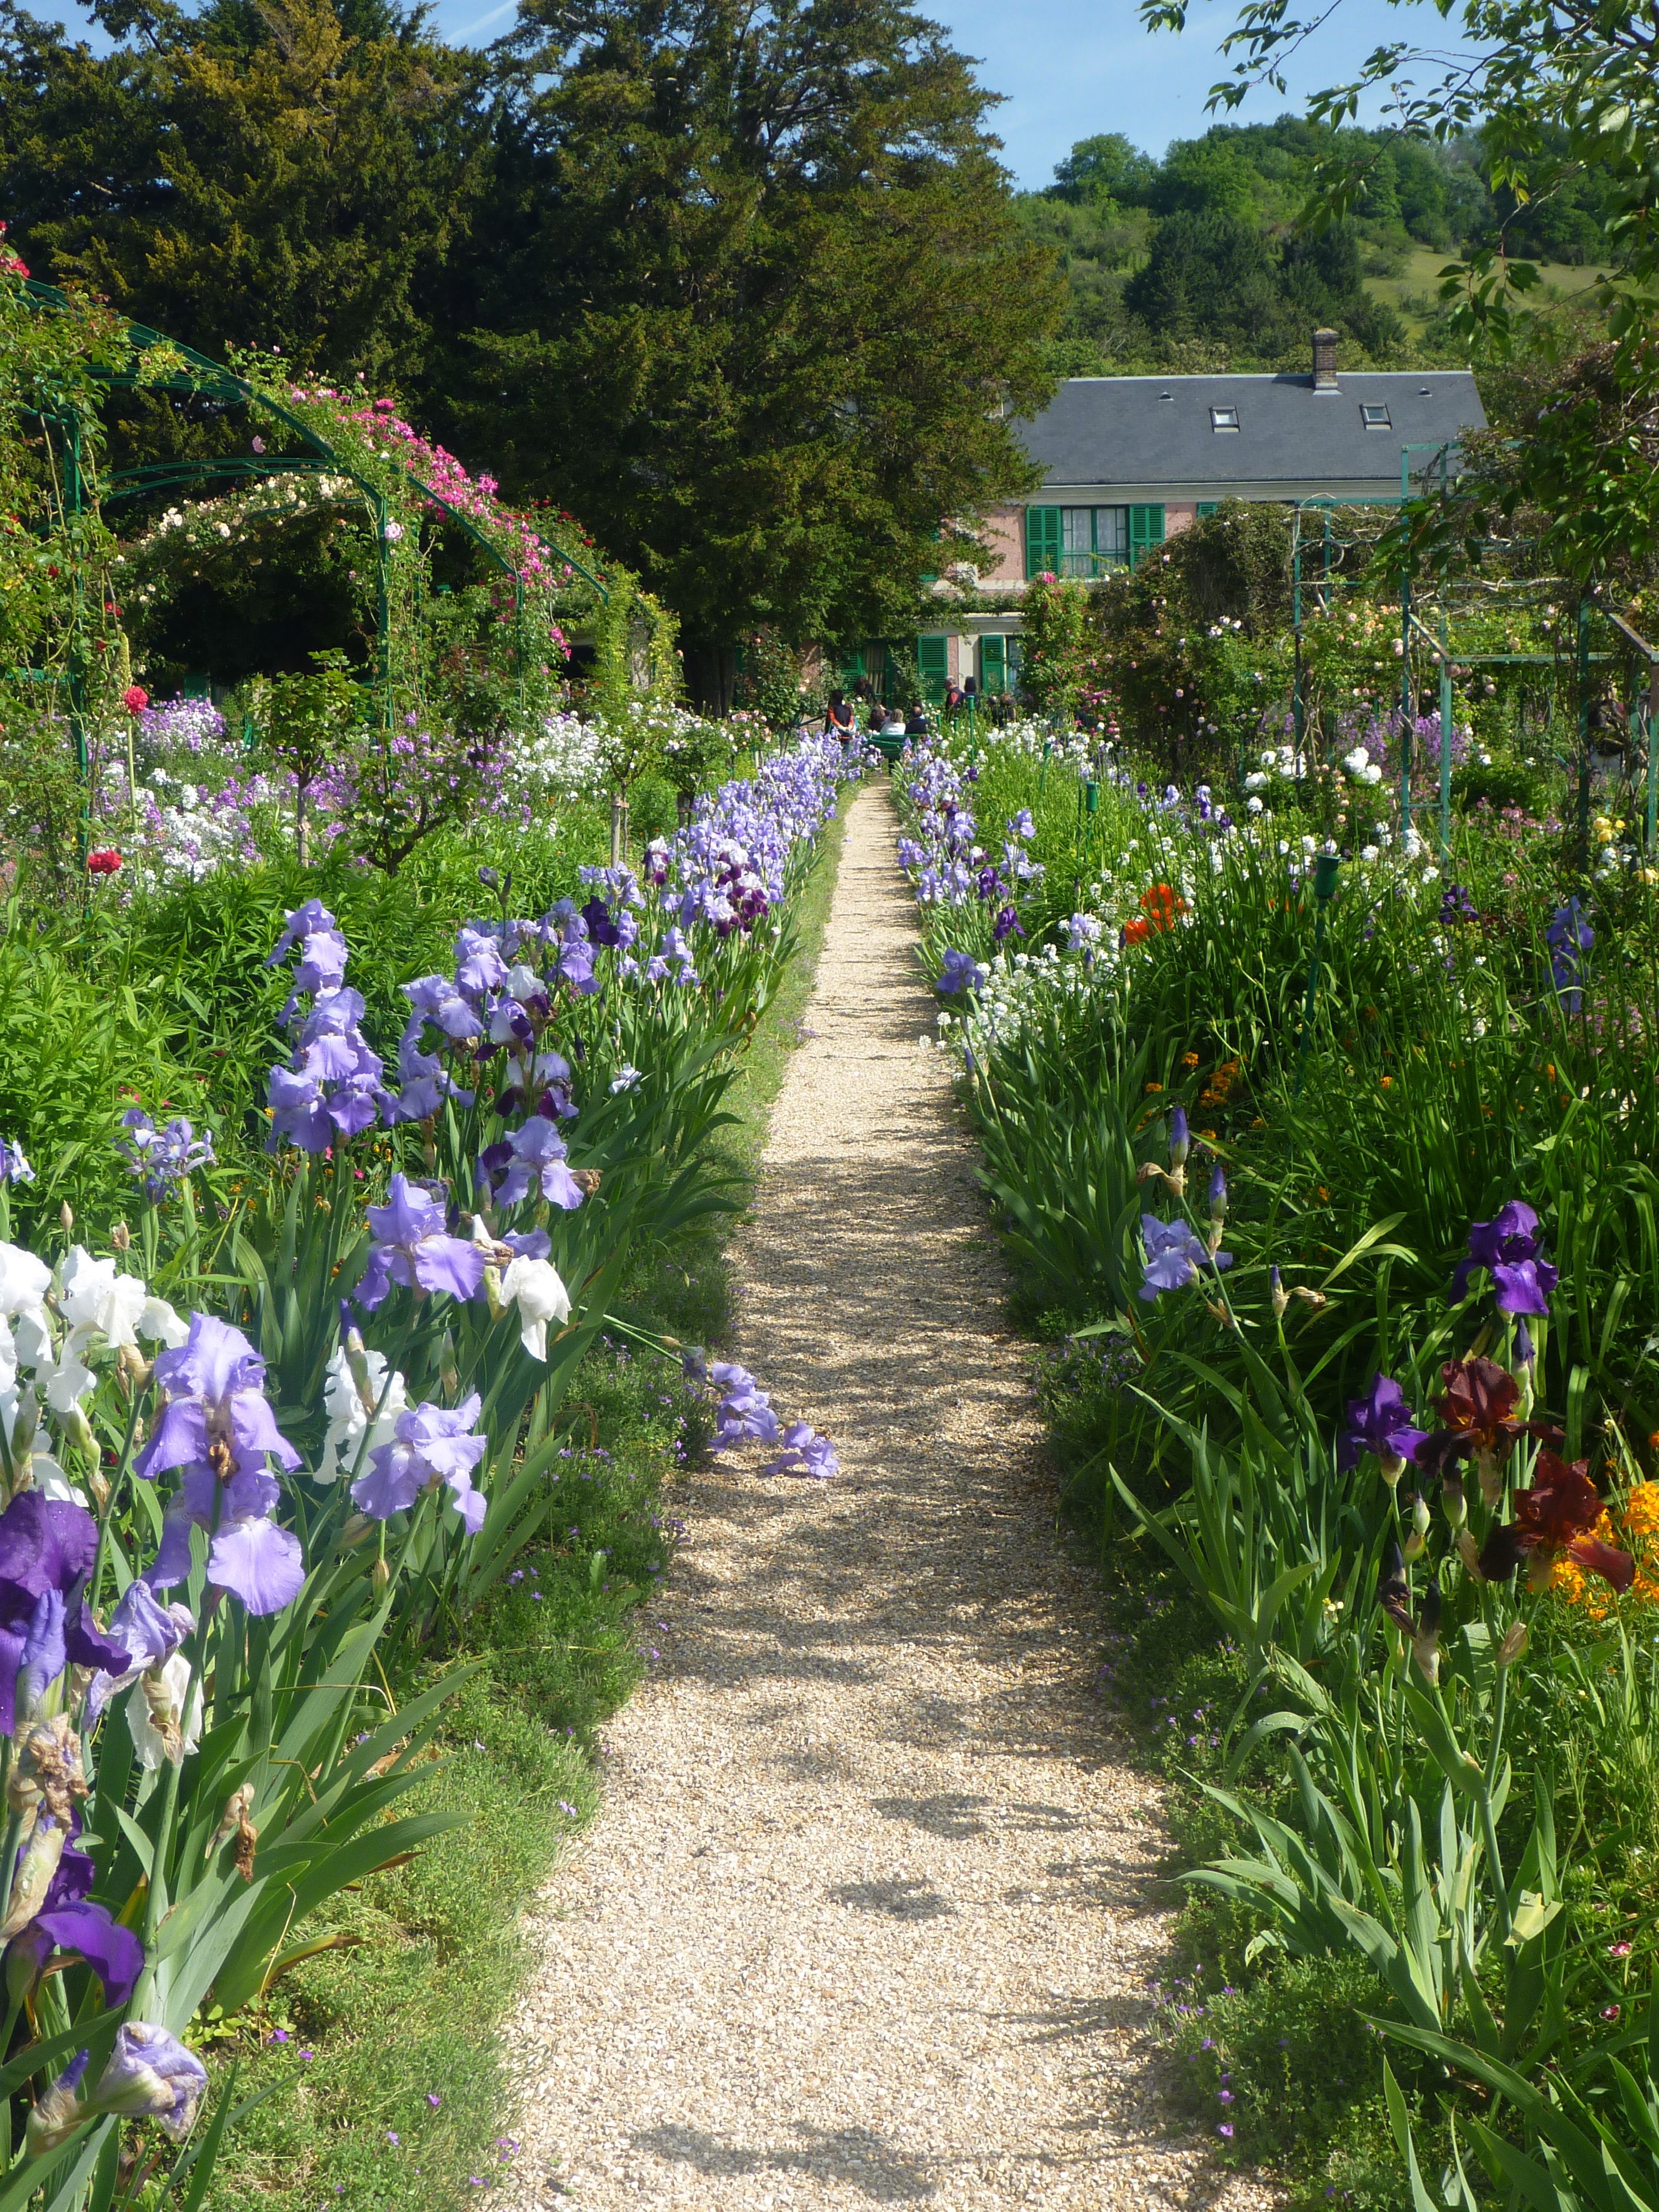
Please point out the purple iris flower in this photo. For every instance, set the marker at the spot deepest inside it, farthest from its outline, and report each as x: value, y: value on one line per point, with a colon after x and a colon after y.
x: 151, y: 2076
x: 532, y: 1159
x: 1005, y: 925
x: 144, y: 1632
x: 331, y: 1087
x: 217, y: 1429
x: 1181, y: 1141
x: 412, y: 1247
x: 960, y: 971
x: 1523, y: 1286
x: 1174, y: 1256
x: 1379, y: 1422
x: 46, y: 1547
x: 745, y: 1412
x: 804, y: 1453
x: 68, y: 1921
x: 1568, y: 937
x: 479, y: 966
x: 1511, y: 1234
x: 162, y: 1156
x: 430, y: 1444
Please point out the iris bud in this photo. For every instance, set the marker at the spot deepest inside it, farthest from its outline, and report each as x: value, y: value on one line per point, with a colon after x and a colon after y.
x: 1452, y: 1497
x: 1281, y: 1299
x: 1219, y: 1194
x: 121, y: 1237
x: 1514, y: 1642
x: 1468, y: 1551
x: 66, y: 1215
x: 1180, y: 1143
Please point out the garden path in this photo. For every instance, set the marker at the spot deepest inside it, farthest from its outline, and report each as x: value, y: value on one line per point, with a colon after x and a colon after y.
x: 866, y: 1916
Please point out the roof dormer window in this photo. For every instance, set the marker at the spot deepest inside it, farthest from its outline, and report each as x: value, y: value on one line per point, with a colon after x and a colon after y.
x: 1223, y: 418
x: 1374, y: 415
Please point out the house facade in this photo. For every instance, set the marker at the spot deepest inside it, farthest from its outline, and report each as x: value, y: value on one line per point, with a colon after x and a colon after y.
x: 1129, y: 461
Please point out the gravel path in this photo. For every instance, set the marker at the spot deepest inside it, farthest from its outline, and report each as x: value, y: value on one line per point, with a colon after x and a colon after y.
x: 865, y: 1918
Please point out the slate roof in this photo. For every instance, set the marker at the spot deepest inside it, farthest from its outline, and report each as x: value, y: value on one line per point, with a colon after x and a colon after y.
x: 1153, y: 434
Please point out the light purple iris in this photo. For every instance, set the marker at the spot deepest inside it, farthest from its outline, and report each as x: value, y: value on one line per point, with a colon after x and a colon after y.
x: 1174, y: 1256
x: 217, y: 1430
x: 151, y: 2076
x: 532, y: 1158
x: 412, y: 1247
x: 429, y: 1445
x: 1382, y: 1423
x: 805, y: 1453
x: 147, y: 1632
x: 331, y: 1087
x: 162, y: 1156
x: 745, y: 1412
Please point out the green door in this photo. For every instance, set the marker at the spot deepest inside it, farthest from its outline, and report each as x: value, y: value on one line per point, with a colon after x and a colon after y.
x: 1146, y: 531
x: 993, y: 665
x: 1042, y: 541
x: 931, y: 660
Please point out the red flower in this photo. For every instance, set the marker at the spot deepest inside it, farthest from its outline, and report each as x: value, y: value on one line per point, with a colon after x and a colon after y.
x: 1555, y: 1517
x: 135, y: 698
x: 1477, y: 1416
x: 103, y: 862
x: 1161, y: 904
x: 1136, y: 933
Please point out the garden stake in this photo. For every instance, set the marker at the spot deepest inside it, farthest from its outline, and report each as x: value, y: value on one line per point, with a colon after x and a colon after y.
x: 1445, y: 743
x: 1325, y: 868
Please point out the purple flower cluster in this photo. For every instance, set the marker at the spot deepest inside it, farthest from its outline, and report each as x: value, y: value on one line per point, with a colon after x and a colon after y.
x: 1176, y: 1256
x: 162, y: 1157
x: 745, y: 1416
x: 331, y: 1087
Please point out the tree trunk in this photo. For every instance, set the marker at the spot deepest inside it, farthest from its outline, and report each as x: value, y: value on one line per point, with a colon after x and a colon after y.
x: 711, y: 675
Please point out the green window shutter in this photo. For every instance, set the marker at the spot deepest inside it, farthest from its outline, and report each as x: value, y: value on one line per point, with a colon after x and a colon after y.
x: 852, y: 667
x: 1043, y: 547
x: 930, y: 660
x: 1208, y: 505
x: 1146, y: 531
x: 993, y: 665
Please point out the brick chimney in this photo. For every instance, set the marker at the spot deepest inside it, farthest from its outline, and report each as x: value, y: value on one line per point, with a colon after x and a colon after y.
x: 1324, y: 362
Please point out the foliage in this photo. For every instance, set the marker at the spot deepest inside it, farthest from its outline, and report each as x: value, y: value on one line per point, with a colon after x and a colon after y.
x: 798, y: 314
x: 1058, y: 666
x: 1412, y: 1782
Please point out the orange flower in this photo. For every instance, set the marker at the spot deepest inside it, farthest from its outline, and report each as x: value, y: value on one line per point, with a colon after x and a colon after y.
x: 1136, y: 931
x: 1189, y: 1060
x: 1161, y: 904
x: 1387, y: 1083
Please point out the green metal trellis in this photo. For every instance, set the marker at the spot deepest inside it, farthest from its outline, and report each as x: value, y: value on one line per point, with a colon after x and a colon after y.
x: 199, y: 377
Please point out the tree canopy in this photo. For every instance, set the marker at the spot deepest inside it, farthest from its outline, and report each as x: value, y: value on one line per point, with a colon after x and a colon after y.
x: 742, y: 286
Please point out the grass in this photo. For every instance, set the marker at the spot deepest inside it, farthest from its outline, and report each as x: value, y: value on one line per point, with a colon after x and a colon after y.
x: 1414, y: 291
x: 380, y: 2054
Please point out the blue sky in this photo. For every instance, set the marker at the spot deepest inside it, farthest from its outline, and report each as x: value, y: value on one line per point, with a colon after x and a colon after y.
x: 1068, y: 69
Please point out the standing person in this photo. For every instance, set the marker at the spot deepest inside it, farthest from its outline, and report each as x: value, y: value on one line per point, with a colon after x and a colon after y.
x: 954, y: 697
x: 839, y: 722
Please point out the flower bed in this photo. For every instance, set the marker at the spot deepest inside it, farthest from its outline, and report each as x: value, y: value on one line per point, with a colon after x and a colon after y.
x: 303, y: 1412
x: 1333, y: 1167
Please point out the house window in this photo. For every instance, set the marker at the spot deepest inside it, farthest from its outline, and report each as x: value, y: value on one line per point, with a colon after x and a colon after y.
x: 1088, y: 541
x: 1223, y: 418
x: 1093, y: 540
x: 1208, y: 506
x: 1375, y: 416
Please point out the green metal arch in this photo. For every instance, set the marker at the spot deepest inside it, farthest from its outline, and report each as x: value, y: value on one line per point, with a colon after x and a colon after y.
x: 211, y: 379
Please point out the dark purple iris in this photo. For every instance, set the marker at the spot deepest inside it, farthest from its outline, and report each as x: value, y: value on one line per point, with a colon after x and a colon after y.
x: 1507, y: 1247
x: 1005, y: 925
x: 1379, y: 1422
x: 46, y: 1547
x: 69, y: 1921
x: 1568, y: 937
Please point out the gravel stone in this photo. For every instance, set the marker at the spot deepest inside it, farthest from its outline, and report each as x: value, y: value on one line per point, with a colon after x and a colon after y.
x: 865, y: 1917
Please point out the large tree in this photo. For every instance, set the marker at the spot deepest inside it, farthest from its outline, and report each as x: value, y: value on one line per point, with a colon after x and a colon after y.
x: 749, y: 296
x: 284, y: 173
